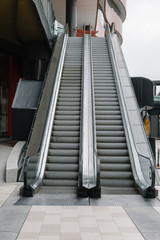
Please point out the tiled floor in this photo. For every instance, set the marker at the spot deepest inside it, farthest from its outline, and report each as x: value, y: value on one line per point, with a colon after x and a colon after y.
x: 137, y: 219
x: 5, y: 192
x: 78, y: 222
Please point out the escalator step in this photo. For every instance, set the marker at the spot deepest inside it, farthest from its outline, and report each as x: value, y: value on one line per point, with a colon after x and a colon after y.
x: 60, y: 183
x: 63, y: 146
x: 63, y: 152
x: 64, y: 139
x: 114, y: 159
x: 62, y: 159
x: 116, y: 175
x: 115, y: 167
x: 62, y: 167
x: 111, y: 145
x: 111, y: 140
x: 117, y: 182
x: 61, y: 175
x: 112, y: 152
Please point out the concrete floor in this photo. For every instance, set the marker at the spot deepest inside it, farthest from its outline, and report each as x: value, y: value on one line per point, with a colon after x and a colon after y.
x: 63, y: 216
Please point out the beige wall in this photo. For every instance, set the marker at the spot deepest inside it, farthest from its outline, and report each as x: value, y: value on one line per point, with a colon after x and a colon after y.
x: 86, y: 12
x: 111, y: 17
x: 59, y: 7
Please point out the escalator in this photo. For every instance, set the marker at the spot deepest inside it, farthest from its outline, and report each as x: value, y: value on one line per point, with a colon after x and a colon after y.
x: 63, y: 154
x: 93, y: 136
x: 115, y: 168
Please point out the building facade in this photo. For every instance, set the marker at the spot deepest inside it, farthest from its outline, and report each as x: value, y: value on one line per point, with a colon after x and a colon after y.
x: 27, y: 30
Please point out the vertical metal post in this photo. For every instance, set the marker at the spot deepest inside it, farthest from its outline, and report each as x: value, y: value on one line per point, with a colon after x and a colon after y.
x: 71, y: 16
x: 158, y: 158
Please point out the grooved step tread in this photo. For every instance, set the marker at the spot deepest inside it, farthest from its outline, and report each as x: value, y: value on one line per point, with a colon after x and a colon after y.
x: 115, y: 168
x: 61, y: 171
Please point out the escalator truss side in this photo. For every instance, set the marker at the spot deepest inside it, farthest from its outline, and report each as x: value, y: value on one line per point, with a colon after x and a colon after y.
x: 34, y: 166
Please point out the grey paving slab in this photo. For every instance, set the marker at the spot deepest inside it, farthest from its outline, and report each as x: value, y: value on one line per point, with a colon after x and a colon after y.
x: 14, y: 197
x: 147, y: 220
x: 54, y: 199
x: 4, y: 153
x: 8, y: 236
x: 151, y: 236
x: 12, y: 218
x: 124, y: 201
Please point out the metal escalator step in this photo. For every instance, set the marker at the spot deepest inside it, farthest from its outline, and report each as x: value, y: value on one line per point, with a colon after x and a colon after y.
x: 112, y: 152
x: 107, y: 107
x: 60, y: 112
x: 103, y: 89
x: 107, y: 95
x: 70, y: 84
x: 115, y: 167
x: 106, y: 100
x: 77, y: 69
x: 116, y: 175
x: 105, y: 84
x: 68, y: 108
x: 114, y: 159
x: 103, y: 73
x: 112, y: 145
x: 104, y: 80
x: 63, y: 159
x: 109, y: 128
x: 111, y: 140
x: 61, y: 175
x: 110, y: 133
x: 66, y: 76
x: 65, y: 117
x: 101, y: 105
x: 60, y: 183
x: 117, y: 182
x: 66, y: 122
x: 62, y: 152
x: 65, y: 134
x: 75, y: 78
x: 69, y: 92
x: 64, y: 139
x: 107, y: 112
x: 109, y: 122
x: 70, y: 88
x: 99, y: 68
x: 69, y: 103
x: 63, y: 146
x: 66, y: 128
x: 72, y: 95
x: 69, y: 99
x: 61, y: 167
x: 108, y: 117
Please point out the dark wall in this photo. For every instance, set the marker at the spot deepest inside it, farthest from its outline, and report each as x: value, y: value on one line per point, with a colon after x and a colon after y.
x: 144, y: 91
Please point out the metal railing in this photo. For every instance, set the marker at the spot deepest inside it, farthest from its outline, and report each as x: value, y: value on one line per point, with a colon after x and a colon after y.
x: 89, y: 162
x: 142, y: 165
